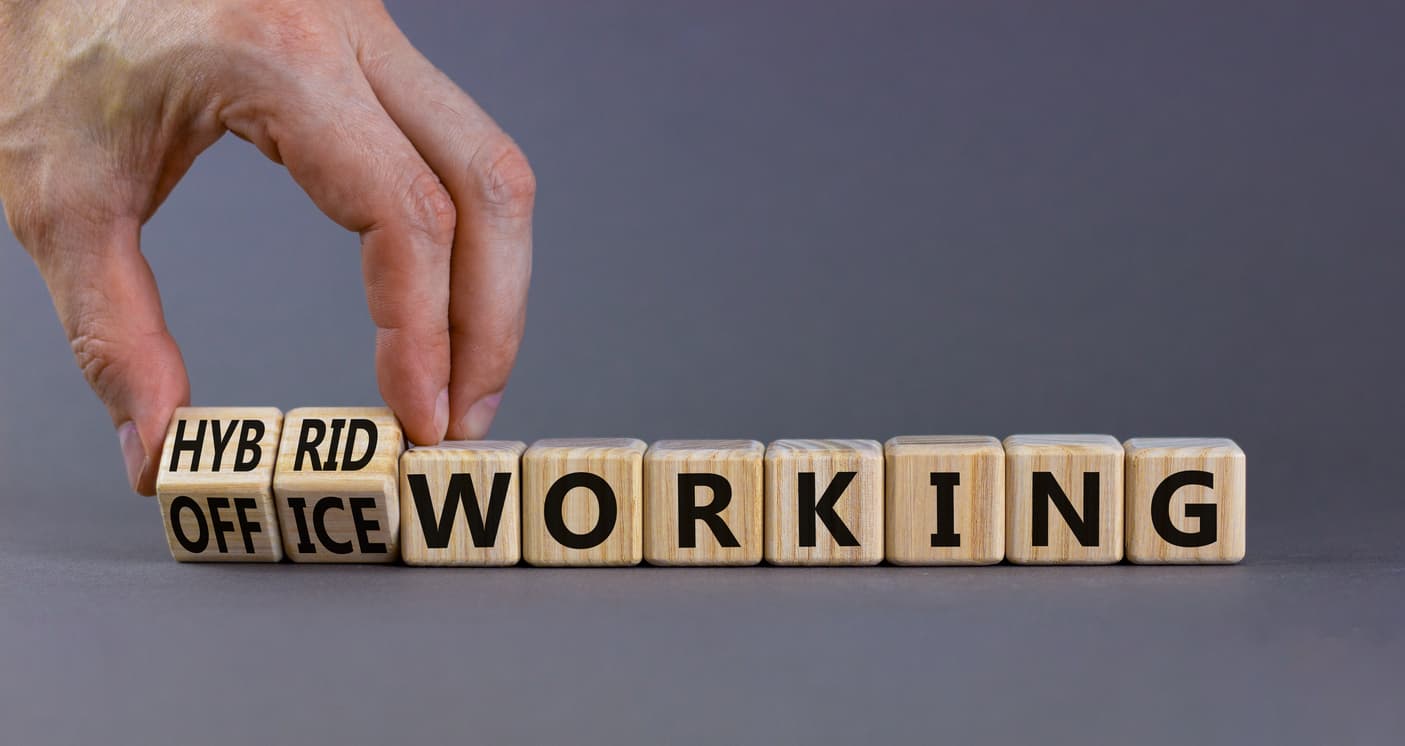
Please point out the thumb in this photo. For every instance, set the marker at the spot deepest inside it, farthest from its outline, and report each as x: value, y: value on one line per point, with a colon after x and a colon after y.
x: 107, y: 300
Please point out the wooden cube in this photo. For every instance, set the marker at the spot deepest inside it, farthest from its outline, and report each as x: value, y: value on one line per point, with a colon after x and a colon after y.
x: 582, y: 502
x: 338, y: 472
x: 1185, y: 501
x: 460, y: 503
x: 824, y: 502
x: 215, y: 486
x: 1063, y: 500
x: 702, y: 502
x: 945, y: 500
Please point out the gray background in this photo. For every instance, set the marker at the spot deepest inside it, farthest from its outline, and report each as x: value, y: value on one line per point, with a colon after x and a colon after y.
x: 769, y: 220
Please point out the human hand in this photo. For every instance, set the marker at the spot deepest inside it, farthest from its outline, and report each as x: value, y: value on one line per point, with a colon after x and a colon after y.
x: 103, y: 107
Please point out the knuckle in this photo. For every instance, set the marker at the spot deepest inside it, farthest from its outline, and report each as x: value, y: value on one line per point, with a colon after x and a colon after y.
x: 506, y: 182
x: 48, y: 221
x: 36, y: 206
x: 98, y: 357
x: 31, y: 222
x: 430, y: 209
x: 283, y: 29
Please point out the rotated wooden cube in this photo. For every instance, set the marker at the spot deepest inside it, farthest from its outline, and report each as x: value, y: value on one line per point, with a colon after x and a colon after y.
x: 945, y: 500
x: 460, y: 503
x: 336, y: 484
x: 703, y: 502
x: 1185, y: 501
x: 1063, y: 500
x: 582, y: 502
x: 824, y: 502
x: 215, y: 485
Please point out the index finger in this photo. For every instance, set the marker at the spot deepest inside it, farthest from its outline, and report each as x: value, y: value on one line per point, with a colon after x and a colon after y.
x: 362, y: 171
x: 493, y: 191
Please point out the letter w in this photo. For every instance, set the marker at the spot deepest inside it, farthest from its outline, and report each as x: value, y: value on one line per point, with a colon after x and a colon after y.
x: 437, y: 533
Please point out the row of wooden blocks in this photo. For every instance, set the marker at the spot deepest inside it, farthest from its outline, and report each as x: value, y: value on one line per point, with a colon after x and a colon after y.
x: 338, y: 485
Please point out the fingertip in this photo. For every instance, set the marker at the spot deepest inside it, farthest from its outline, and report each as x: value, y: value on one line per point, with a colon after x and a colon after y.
x: 441, y: 413
x: 420, y: 427
x: 476, y: 422
x: 149, y: 399
x: 142, y: 441
x: 423, y: 419
x: 413, y: 371
x: 134, y: 456
x: 151, y: 438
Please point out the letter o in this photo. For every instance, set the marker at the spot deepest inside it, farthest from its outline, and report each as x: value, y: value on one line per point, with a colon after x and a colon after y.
x: 186, y: 503
x: 555, y: 507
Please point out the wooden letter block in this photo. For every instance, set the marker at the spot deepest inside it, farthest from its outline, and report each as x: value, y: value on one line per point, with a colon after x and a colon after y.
x: 702, y: 502
x: 582, y: 502
x: 460, y: 503
x: 1063, y: 502
x: 1185, y: 501
x: 945, y: 500
x: 824, y: 502
x: 215, y: 486
x: 338, y: 471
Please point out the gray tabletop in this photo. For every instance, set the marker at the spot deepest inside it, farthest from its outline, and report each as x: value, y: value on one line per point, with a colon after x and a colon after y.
x: 787, y: 220
x: 103, y: 639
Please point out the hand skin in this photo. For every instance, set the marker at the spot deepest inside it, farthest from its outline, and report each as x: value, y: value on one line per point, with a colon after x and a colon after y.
x: 104, y: 104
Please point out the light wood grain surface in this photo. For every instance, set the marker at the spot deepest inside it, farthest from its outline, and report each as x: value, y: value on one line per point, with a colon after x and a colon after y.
x: 890, y: 507
x: 1068, y: 458
x: 480, y: 463
x: 860, y: 507
x: 619, y: 462
x: 977, y: 508
x: 1149, y: 461
x: 378, y: 480
x: 200, y: 482
x: 741, y: 464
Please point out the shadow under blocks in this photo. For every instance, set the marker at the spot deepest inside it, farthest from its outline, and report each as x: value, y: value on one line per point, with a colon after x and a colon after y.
x: 251, y: 484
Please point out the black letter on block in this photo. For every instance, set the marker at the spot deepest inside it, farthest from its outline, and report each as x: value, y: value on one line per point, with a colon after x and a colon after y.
x: 313, y: 431
x: 221, y: 441
x: 689, y: 513
x: 331, y: 463
x: 319, y: 524
x: 1205, y: 512
x: 555, y: 504
x: 364, y: 525
x: 809, y: 509
x: 368, y: 428
x: 298, y: 505
x: 182, y: 444
x: 219, y: 524
x: 946, y: 482
x: 1047, y: 490
x: 249, y: 452
x: 483, y: 530
x: 242, y: 505
x: 197, y: 546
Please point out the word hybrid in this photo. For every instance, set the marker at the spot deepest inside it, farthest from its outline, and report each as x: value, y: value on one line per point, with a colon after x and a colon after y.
x: 339, y: 485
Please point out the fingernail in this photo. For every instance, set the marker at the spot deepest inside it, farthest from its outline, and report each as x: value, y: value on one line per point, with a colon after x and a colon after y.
x: 133, y: 453
x: 441, y: 413
x: 480, y: 416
